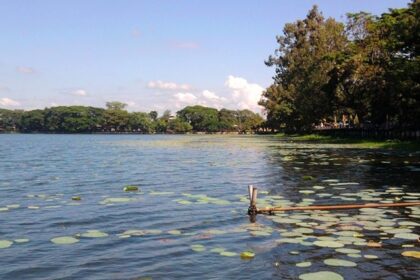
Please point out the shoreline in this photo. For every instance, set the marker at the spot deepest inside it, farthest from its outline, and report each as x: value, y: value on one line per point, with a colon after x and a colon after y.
x: 360, y: 143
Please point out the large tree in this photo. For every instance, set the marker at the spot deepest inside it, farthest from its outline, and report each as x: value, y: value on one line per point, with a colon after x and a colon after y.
x: 302, y: 62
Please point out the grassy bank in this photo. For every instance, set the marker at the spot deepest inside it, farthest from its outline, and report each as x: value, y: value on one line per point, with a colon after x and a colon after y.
x: 357, y: 142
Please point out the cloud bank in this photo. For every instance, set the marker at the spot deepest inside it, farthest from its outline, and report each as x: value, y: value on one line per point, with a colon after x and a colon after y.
x: 8, y: 102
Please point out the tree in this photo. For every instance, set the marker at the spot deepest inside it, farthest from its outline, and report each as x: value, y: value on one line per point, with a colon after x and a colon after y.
x: 115, y: 105
x: 178, y: 126
x: 153, y: 115
x: 201, y: 118
x: 298, y: 98
x: 140, y: 122
x: 33, y: 121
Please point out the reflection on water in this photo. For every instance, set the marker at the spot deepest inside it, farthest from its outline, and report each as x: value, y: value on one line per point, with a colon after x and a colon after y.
x: 189, y: 218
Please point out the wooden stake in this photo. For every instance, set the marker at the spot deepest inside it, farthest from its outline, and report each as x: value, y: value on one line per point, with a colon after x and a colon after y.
x: 252, y: 210
x: 337, y: 207
x: 254, y: 197
x: 250, y: 188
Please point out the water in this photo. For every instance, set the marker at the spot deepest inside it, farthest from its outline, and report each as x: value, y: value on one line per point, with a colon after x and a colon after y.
x: 176, y: 176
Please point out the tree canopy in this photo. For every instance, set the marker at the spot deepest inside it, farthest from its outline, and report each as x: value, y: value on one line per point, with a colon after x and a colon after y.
x: 81, y: 119
x: 366, y: 68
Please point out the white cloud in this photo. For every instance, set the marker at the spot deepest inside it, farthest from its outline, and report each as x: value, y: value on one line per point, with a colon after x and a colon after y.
x: 186, y: 98
x: 245, y: 94
x: 79, y: 92
x: 210, y: 95
x: 25, y: 70
x: 5, y: 101
x: 168, y: 85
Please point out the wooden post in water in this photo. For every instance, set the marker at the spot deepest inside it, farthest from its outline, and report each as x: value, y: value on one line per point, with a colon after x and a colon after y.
x: 250, y: 188
x: 252, y: 210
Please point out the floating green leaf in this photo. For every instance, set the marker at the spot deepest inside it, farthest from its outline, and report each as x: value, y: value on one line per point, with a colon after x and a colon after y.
x: 217, y: 250
x: 246, y: 255
x: 94, y: 234
x: 21, y: 240
x: 330, y: 244
x: 412, y: 254
x: 304, y: 264
x: 64, y: 240
x: 76, y: 198
x: 5, y: 244
x: 409, y: 236
x: 321, y: 275
x: 339, y: 262
x: 370, y: 257
x: 131, y: 188
x: 347, y: 251
x: 228, y: 254
x: 198, y: 248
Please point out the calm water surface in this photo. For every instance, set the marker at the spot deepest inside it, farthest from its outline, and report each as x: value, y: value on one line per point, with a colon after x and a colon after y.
x: 189, y: 219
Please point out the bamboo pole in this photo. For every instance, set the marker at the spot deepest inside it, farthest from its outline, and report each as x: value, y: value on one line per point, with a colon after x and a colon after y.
x: 337, y: 207
x: 250, y: 188
x: 254, y: 197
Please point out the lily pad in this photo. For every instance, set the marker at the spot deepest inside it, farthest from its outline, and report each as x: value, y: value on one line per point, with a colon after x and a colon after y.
x: 328, y: 243
x: 409, y: 236
x: 321, y: 275
x: 412, y: 254
x: 339, y: 262
x: 94, y: 234
x: 217, y: 250
x: 21, y: 240
x: 5, y: 244
x: 198, y: 248
x: 372, y: 257
x: 347, y: 251
x: 63, y: 240
x: 228, y: 254
x: 304, y: 264
x: 76, y: 198
x: 174, y: 232
x: 246, y: 255
x: 131, y: 188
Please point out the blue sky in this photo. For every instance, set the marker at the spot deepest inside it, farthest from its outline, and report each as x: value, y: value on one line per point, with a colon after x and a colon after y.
x: 153, y: 55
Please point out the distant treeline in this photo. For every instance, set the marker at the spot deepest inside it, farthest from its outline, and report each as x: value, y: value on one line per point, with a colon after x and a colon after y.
x: 115, y: 119
x: 362, y: 73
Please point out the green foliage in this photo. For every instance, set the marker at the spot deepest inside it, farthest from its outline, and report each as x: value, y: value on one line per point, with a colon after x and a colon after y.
x: 178, y: 126
x: 81, y: 119
x: 10, y: 120
x: 153, y: 115
x: 367, y: 69
x: 115, y: 105
x: 200, y: 118
x: 140, y: 122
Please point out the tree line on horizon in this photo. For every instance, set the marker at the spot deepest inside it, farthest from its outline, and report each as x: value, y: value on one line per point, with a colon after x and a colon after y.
x: 115, y: 119
x: 365, y: 71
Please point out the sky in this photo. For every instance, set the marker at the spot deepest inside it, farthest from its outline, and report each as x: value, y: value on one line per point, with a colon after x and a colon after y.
x: 151, y: 55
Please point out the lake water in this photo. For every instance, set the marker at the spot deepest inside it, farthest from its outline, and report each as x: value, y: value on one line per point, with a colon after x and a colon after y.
x: 189, y: 220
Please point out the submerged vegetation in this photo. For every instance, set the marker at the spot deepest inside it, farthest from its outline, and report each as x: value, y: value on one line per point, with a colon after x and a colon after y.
x: 354, y: 141
x: 81, y: 119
